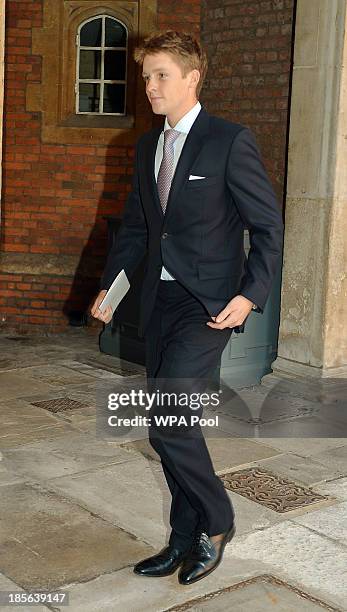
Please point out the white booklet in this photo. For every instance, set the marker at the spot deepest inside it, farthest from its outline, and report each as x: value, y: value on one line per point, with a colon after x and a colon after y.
x: 116, y: 292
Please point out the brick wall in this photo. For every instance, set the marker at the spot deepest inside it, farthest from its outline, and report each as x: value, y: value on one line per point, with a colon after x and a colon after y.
x: 248, y: 43
x: 54, y: 196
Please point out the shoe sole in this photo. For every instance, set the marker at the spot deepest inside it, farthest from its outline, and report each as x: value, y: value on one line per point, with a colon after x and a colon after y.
x: 227, y: 540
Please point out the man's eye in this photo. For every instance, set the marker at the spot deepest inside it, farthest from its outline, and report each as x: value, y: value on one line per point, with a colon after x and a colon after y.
x: 162, y: 74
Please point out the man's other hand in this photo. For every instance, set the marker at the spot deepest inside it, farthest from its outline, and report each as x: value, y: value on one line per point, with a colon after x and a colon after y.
x: 235, y: 313
x: 105, y: 315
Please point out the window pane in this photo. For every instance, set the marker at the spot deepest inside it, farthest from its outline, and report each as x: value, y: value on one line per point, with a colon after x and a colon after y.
x: 114, y: 98
x: 115, y: 65
x: 91, y: 34
x: 90, y: 64
x: 89, y: 97
x: 115, y: 34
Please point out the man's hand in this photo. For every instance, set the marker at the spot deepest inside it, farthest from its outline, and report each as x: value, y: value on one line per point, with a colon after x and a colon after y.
x: 105, y: 315
x: 233, y: 314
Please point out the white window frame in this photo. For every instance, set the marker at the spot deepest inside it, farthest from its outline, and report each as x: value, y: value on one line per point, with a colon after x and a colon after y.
x: 102, y: 80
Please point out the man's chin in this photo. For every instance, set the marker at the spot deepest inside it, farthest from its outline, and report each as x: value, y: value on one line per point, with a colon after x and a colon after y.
x: 158, y: 107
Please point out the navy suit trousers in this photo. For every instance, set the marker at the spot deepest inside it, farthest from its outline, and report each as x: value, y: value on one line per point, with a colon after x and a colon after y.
x: 182, y: 352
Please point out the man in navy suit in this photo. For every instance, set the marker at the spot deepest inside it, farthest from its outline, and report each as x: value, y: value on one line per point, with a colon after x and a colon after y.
x: 199, y: 182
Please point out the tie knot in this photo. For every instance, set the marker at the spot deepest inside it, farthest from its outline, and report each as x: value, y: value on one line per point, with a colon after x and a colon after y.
x: 170, y: 136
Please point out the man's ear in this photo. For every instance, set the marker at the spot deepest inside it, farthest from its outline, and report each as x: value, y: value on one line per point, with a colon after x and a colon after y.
x: 194, y: 77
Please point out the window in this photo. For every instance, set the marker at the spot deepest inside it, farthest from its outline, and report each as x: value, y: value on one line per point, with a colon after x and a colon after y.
x: 91, y: 91
x: 101, y: 83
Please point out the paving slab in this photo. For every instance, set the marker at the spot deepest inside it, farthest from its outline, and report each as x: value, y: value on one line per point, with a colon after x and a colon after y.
x: 6, y: 475
x: 46, y: 540
x: 18, y: 361
x: 97, y: 359
x: 226, y: 453
x: 93, y: 371
x: 231, y: 453
x: 17, y: 384
x: 133, y: 496
x: 72, y: 453
x: 330, y: 522
x: 56, y: 375
x: 298, y: 555
x: 18, y: 416
x: 250, y: 516
x: 314, y: 425
x: 305, y: 447
x: 334, y: 458
x: 22, y: 423
x: 304, y: 469
x: 261, y: 403
x: 41, y: 433
x: 84, y: 425
x: 260, y: 594
x: 336, y: 487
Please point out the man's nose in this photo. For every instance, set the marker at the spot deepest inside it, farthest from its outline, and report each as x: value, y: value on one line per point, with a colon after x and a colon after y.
x: 151, y: 86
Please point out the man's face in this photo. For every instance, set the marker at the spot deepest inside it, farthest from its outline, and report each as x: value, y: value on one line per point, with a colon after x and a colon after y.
x: 167, y: 89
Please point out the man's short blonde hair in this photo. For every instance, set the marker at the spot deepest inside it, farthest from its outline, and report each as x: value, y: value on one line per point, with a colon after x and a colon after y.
x: 184, y: 48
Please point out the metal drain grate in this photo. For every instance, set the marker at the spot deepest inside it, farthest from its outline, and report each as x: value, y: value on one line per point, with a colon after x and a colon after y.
x: 60, y: 404
x: 270, y: 490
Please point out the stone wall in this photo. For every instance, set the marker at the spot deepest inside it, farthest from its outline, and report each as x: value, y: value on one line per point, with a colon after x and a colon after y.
x: 313, y: 336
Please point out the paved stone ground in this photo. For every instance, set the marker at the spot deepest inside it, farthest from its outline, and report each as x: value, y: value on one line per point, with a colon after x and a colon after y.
x: 79, y: 507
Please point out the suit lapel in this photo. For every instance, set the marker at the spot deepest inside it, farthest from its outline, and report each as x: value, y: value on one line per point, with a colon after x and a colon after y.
x: 190, y: 151
x: 150, y: 166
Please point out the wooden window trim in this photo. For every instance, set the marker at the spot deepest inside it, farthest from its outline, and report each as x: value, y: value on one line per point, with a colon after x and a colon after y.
x: 102, y: 80
x: 55, y: 41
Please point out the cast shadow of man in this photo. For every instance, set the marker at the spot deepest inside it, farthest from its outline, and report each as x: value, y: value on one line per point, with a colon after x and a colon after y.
x: 113, y: 185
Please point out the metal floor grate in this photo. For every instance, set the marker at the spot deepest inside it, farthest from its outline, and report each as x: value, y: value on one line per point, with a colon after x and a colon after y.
x: 60, y: 404
x: 270, y: 490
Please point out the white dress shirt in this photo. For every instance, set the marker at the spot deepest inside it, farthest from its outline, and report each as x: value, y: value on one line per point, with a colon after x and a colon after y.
x: 183, y: 126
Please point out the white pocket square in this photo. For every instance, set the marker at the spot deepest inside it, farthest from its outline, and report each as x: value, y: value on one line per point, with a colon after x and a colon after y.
x: 193, y: 177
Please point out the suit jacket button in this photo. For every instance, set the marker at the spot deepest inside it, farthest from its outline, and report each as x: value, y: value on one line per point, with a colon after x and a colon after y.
x: 164, y: 235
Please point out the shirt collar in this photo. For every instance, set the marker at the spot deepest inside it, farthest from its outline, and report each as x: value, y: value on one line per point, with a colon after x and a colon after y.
x: 186, y: 122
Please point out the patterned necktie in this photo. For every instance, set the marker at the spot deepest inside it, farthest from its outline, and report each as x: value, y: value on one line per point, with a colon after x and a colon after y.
x: 165, y: 173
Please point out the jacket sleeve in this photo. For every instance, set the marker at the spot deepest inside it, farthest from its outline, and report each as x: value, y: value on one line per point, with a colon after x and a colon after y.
x: 258, y: 208
x: 131, y: 241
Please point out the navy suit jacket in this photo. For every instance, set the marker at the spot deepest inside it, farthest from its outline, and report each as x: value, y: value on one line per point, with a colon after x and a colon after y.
x: 200, y: 239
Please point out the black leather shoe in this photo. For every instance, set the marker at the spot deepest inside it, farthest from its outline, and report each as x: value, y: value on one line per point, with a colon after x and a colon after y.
x: 164, y: 563
x: 204, y: 557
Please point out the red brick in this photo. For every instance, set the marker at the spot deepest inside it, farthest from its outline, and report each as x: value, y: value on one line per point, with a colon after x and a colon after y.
x: 17, y: 248
x: 80, y: 150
